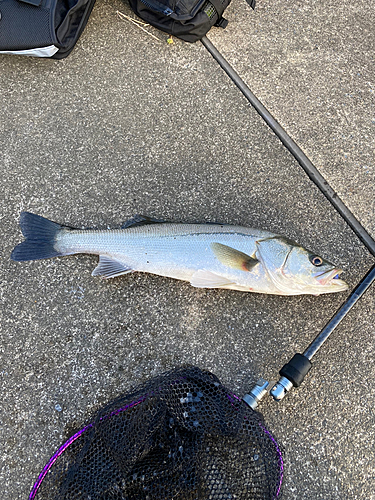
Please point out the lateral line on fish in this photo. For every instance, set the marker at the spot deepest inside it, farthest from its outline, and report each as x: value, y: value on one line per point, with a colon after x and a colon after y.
x: 245, y: 235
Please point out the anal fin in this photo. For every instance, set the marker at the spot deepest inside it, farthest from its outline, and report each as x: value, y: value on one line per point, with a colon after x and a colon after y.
x: 110, y: 268
x: 207, y: 279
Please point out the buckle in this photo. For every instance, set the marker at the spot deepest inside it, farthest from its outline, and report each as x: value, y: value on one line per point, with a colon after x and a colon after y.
x: 222, y: 23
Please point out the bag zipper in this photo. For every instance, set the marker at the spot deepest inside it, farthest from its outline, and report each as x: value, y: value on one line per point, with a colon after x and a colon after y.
x: 158, y: 7
x: 167, y: 11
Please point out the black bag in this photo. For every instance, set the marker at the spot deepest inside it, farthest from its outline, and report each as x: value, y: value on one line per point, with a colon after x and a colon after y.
x: 186, y: 19
x: 42, y: 28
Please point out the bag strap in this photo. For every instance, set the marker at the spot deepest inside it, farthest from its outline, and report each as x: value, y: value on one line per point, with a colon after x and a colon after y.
x: 222, y: 22
x: 219, y: 7
x: 36, y: 3
x: 251, y: 3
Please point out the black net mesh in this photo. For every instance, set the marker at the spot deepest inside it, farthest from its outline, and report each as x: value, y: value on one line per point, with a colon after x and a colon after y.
x: 181, y: 436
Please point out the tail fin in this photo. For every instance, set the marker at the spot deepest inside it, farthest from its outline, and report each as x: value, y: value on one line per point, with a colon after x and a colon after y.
x: 40, y: 234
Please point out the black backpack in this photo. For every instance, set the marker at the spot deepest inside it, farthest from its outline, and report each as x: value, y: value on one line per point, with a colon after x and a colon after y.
x: 42, y: 28
x: 186, y: 19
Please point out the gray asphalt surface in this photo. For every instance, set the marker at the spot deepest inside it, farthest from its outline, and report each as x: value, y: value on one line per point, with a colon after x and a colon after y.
x: 129, y: 124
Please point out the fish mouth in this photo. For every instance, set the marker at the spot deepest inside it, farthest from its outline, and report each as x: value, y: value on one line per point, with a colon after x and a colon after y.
x: 331, y: 278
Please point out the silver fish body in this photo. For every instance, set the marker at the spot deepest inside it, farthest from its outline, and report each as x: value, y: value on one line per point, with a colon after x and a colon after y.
x: 206, y: 255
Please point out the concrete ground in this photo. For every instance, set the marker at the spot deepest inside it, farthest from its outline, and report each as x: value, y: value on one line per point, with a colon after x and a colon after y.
x: 129, y: 124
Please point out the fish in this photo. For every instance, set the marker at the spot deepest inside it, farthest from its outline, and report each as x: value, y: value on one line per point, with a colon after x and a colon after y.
x: 206, y: 255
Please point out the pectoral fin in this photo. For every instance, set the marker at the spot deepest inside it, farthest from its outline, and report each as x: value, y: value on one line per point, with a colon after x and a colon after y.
x: 110, y: 268
x: 206, y: 279
x: 233, y: 258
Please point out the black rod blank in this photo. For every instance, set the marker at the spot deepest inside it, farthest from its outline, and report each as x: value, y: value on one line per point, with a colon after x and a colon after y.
x: 356, y: 294
x: 293, y: 373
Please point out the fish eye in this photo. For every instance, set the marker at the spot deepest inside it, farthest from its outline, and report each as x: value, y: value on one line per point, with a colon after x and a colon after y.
x: 316, y: 261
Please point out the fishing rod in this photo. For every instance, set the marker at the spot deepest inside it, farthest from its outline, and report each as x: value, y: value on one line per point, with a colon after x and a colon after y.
x: 293, y: 373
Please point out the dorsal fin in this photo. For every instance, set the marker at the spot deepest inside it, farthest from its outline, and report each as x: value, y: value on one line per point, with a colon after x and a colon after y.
x: 141, y: 220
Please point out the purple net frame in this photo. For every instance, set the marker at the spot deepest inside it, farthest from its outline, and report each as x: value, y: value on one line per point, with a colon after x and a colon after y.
x: 71, y: 440
x: 278, y: 451
x: 281, y: 461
